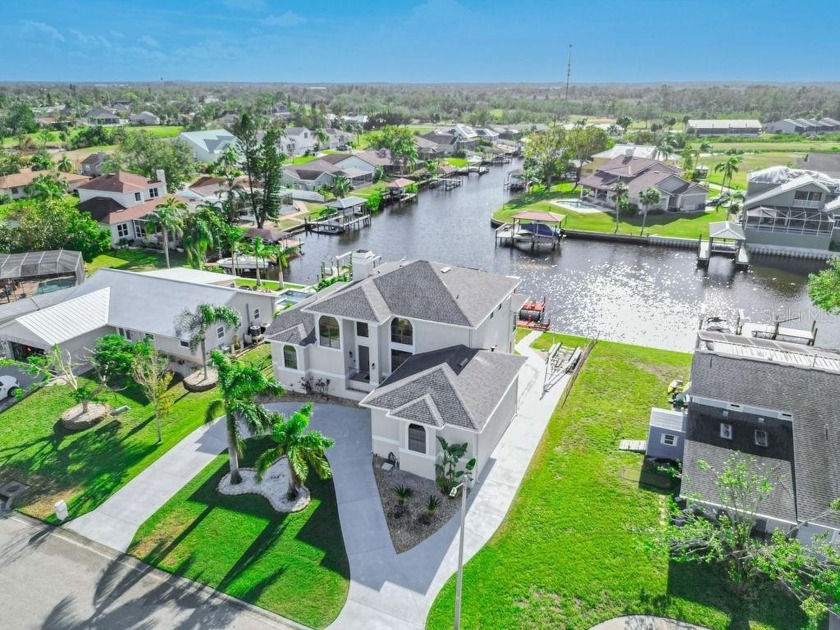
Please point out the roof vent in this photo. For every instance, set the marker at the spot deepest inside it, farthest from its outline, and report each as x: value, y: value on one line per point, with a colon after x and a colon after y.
x: 445, y: 269
x: 463, y: 362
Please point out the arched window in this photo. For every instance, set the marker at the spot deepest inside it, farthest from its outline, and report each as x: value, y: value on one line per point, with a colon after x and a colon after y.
x: 416, y: 438
x: 290, y: 357
x: 329, y: 332
x: 402, y: 331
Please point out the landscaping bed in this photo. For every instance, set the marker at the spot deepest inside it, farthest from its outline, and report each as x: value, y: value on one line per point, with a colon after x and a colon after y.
x: 571, y: 551
x: 291, y: 564
x: 410, y: 529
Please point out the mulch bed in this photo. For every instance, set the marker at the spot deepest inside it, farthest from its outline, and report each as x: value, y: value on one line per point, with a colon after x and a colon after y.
x: 74, y: 419
x: 196, y: 382
x: 409, y: 530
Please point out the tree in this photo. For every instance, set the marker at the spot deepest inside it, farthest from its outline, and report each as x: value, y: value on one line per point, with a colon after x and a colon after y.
x: 649, y: 198
x: 340, y: 186
x: 687, y: 160
x: 728, y: 167
x: 545, y: 155
x: 260, y: 250
x: 202, y: 229
x: 621, y: 201
x: 583, y: 141
x: 227, y: 167
x: 664, y: 146
x: 263, y: 163
x: 142, y: 153
x: 824, y: 287
x: 167, y: 218
x: 41, y: 161
x: 304, y: 450
x: 447, y: 473
x: 735, y: 202
x: 20, y: 120
x: 151, y: 372
x: 624, y: 122
x: 239, y: 384
x: 809, y: 573
x: 281, y: 255
x: 47, y: 186
x: 398, y: 140
x: 65, y: 165
x: 194, y: 325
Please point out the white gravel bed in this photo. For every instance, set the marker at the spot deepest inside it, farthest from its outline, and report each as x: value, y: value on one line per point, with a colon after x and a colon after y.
x: 273, y: 487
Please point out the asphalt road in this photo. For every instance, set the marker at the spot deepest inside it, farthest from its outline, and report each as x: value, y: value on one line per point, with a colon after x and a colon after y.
x: 54, y: 580
x: 24, y: 378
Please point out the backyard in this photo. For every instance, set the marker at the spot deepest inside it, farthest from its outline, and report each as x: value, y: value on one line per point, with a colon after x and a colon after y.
x: 87, y: 467
x: 134, y: 260
x: 571, y: 552
x: 292, y: 564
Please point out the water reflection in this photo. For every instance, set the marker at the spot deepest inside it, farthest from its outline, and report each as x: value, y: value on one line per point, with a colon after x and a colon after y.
x: 641, y: 295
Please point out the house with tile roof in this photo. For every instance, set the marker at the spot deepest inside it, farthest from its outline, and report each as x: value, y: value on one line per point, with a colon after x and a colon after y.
x: 14, y: 185
x: 771, y: 402
x: 427, y: 347
x: 638, y: 174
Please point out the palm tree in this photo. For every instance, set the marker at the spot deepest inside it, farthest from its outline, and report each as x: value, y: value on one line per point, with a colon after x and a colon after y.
x: 201, y: 231
x: 728, y: 167
x: 620, y: 192
x: 736, y: 202
x: 340, y: 186
x: 321, y: 136
x: 260, y: 250
x: 195, y: 324
x: 167, y: 218
x: 65, y: 164
x: 281, y: 255
x: 239, y: 383
x: 304, y: 450
x: 649, y: 197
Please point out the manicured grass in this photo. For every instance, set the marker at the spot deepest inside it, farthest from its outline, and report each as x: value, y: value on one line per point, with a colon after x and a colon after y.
x: 751, y: 162
x: 769, y: 143
x: 161, y: 131
x: 457, y: 162
x: 571, y: 550
x: 292, y: 564
x: 675, y: 224
x: 134, y: 260
x: 87, y: 467
x: 301, y: 159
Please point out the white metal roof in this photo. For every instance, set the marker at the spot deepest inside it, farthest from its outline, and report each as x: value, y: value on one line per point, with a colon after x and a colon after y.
x: 667, y: 419
x: 69, y: 319
x: 726, y: 229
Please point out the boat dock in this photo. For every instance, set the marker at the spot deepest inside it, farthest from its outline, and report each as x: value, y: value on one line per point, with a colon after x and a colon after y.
x: 532, y: 315
x: 348, y: 213
x: 532, y: 229
x: 725, y: 239
x: 777, y: 332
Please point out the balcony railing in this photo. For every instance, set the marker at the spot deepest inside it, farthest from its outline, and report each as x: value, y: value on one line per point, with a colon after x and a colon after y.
x: 807, y: 203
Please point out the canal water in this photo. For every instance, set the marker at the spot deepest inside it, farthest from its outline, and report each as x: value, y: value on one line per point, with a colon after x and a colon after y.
x: 648, y: 296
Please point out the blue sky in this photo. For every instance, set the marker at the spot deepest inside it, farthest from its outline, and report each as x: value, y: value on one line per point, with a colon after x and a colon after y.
x: 395, y: 41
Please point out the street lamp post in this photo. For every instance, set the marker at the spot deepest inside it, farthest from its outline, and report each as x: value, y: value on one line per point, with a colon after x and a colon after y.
x: 460, y: 576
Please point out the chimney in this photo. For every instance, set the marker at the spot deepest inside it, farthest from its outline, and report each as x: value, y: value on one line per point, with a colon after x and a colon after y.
x: 628, y: 152
x: 364, y: 262
x: 161, y: 177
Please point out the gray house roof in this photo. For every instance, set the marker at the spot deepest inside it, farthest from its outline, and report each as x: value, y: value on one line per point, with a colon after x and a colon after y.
x: 211, y: 141
x: 790, y: 378
x: 457, y: 385
x: 420, y: 290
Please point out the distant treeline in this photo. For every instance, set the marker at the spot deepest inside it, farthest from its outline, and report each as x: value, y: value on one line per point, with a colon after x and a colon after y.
x: 475, y: 103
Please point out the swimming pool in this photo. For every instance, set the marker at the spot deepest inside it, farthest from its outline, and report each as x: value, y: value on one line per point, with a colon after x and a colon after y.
x: 577, y: 205
x: 290, y: 297
x: 56, y: 284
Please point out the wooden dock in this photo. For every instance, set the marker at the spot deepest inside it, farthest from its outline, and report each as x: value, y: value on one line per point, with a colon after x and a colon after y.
x: 338, y: 224
x: 725, y: 239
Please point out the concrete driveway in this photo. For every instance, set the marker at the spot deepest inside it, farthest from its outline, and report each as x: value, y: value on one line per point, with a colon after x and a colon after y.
x: 25, y: 379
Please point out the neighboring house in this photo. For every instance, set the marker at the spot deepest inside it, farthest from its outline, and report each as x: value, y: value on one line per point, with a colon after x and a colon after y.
x: 791, y: 208
x: 94, y: 164
x: 771, y: 401
x: 619, y: 150
x: 297, y: 141
x: 426, y: 149
x: 120, y: 202
x: 826, y: 163
x: 639, y: 174
x: 14, y: 185
x: 427, y: 347
x: 788, y: 125
x: 336, y: 138
x: 209, y: 146
x: 506, y: 133
x: 487, y: 134
x: 362, y: 161
x: 702, y: 128
x: 102, y: 117
x: 309, y: 175
x: 445, y: 143
x: 113, y: 301
x: 466, y: 137
x: 144, y: 118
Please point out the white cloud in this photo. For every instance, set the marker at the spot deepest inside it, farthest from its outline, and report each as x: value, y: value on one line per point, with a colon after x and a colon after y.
x: 116, y: 34
x: 90, y: 40
x: 41, y: 29
x: 289, y: 18
x: 149, y: 41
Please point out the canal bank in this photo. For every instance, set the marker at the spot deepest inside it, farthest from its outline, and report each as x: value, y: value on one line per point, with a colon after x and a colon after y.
x: 622, y: 291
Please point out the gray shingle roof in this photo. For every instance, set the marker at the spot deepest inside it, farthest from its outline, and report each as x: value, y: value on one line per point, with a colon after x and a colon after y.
x: 723, y: 370
x: 293, y: 326
x: 457, y: 385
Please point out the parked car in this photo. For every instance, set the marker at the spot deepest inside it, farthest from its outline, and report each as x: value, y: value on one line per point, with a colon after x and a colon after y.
x: 713, y: 201
x: 8, y: 386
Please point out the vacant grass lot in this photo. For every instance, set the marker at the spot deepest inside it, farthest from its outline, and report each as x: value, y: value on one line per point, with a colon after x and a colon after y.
x: 134, y: 260
x: 751, y: 162
x: 87, y: 467
x: 570, y: 553
x: 292, y: 564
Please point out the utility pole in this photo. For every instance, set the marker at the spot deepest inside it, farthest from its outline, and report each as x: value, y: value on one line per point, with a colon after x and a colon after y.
x: 568, y: 72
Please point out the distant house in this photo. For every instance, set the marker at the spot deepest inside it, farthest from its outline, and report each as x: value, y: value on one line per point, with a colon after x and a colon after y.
x: 628, y: 150
x: 506, y: 133
x: 487, y: 134
x: 426, y: 347
x: 298, y: 141
x: 466, y: 137
x: 144, y: 118
x: 788, y: 125
x: 792, y: 208
x: 209, y: 146
x: 103, y: 117
x: 115, y: 302
x: 426, y: 149
x: 769, y: 401
x: 94, y: 164
x: 445, y: 143
x: 364, y: 161
x: 336, y: 138
x: 309, y: 175
x: 639, y: 174
x: 701, y: 128
x: 121, y: 201
x: 15, y: 185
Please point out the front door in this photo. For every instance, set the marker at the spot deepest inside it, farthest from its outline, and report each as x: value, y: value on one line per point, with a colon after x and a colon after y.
x: 364, y: 359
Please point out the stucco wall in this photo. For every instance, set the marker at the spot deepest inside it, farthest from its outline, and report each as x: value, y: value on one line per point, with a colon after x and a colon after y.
x: 784, y: 239
x: 496, y: 427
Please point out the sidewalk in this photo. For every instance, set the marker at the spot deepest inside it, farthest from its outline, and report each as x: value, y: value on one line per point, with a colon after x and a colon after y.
x: 115, y: 522
x: 644, y: 622
x: 396, y: 591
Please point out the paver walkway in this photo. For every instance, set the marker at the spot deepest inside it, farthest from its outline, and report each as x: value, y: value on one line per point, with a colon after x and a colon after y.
x: 115, y: 522
x: 396, y: 591
x: 645, y: 622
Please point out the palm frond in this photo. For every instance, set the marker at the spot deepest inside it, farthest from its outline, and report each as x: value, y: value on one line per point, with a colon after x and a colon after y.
x: 267, y: 460
x: 215, y: 409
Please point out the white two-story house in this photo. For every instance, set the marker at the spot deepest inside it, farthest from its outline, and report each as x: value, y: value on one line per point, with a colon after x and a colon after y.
x: 427, y: 347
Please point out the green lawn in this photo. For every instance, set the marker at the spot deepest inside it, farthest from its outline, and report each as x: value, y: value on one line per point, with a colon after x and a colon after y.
x: 751, y: 162
x: 570, y: 552
x: 134, y: 260
x: 301, y: 159
x: 292, y: 564
x: 161, y: 131
x: 457, y: 162
x: 676, y: 224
